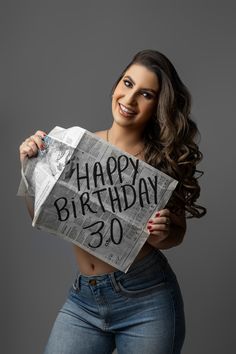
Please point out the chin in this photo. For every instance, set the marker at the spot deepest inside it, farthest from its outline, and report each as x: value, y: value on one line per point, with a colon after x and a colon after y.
x: 122, y: 123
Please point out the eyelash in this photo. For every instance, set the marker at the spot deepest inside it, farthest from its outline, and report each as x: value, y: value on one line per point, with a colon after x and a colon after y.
x: 149, y: 96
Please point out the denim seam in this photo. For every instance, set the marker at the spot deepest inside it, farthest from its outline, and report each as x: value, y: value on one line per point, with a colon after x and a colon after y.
x: 100, y: 306
x: 168, y: 282
x: 174, y: 315
x: 141, y: 292
x: 114, y: 282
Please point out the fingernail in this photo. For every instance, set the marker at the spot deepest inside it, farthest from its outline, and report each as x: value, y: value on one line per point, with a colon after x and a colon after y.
x: 150, y: 221
x: 149, y: 227
x: 42, y: 147
x: 157, y: 214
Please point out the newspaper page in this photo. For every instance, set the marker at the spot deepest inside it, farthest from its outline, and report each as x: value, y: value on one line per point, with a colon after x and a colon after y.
x: 95, y: 195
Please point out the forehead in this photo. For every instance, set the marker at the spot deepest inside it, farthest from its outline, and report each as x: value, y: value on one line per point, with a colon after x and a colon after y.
x: 142, y: 76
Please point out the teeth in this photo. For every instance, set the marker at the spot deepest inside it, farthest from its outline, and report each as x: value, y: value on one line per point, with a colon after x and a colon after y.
x: 125, y: 109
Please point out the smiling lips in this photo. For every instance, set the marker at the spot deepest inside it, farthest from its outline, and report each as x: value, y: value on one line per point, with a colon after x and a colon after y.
x: 125, y: 111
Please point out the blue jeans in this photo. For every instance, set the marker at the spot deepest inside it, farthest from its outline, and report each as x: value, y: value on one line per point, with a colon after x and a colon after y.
x: 138, y: 312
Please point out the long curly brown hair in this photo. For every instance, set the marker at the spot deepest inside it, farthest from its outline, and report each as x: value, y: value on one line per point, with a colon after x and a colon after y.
x: 170, y: 135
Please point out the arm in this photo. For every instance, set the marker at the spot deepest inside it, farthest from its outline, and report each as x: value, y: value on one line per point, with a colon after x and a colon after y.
x: 165, y: 236
x: 29, y: 148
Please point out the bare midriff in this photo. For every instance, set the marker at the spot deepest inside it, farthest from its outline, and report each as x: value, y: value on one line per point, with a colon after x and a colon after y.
x: 91, y: 265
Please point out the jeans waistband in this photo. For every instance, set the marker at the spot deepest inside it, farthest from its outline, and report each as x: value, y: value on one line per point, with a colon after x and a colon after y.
x: 152, y: 256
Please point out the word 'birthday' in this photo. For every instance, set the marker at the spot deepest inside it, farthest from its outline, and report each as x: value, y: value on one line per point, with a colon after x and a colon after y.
x: 106, y: 188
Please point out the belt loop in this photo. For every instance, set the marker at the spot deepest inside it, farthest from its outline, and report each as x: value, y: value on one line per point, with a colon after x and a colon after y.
x: 114, y: 282
x: 76, y: 284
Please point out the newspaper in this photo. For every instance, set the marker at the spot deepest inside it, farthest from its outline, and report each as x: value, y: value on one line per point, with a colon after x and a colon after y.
x: 93, y: 194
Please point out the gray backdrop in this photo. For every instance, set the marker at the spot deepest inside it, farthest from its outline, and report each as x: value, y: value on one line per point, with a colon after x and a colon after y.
x: 58, y: 63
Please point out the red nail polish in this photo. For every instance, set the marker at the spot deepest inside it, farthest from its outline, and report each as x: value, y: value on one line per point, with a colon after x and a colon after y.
x: 157, y: 214
x: 150, y: 221
x: 149, y: 227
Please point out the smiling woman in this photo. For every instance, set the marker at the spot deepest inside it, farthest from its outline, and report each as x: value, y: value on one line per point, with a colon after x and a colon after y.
x: 142, y: 310
x: 134, y: 98
x: 161, y: 104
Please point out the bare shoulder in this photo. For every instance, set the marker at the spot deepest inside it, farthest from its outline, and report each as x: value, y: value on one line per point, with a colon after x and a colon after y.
x: 101, y: 133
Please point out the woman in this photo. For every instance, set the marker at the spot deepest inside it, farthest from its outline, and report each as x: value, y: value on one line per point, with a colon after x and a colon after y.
x: 140, y: 311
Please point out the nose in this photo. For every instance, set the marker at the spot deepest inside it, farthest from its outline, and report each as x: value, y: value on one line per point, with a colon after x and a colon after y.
x: 130, y: 99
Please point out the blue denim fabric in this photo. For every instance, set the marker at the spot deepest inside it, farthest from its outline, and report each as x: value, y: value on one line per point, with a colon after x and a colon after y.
x: 138, y: 312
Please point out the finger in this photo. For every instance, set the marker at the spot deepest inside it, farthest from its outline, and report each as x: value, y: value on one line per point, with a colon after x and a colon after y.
x: 158, y: 227
x: 26, y: 150
x: 160, y: 220
x: 163, y: 212
x: 159, y: 236
x: 29, y: 147
x: 40, y: 133
x: 156, y: 239
x: 33, y: 146
x: 37, y: 139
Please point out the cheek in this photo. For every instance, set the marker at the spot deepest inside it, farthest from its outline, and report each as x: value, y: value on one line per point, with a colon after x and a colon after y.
x: 114, y: 99
x: 148, y: 109
x: 119, y: 90
x: 114, y: 103
x: 117, y: 93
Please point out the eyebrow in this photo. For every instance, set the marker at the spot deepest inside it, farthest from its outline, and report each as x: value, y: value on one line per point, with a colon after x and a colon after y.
x: 147, y: 89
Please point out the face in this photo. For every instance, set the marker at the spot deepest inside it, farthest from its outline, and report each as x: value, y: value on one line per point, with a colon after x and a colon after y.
x: 135, y: 97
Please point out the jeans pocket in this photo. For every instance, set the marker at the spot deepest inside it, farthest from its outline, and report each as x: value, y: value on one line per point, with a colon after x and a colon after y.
x: 74, y: 294
x: 144, y: 283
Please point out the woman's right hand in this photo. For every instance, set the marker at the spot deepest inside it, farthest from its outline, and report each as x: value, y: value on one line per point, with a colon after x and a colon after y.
x: 31, y: 145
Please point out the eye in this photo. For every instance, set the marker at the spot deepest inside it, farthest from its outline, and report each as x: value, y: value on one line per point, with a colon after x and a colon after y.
x: 127, y: 83
x: 147, y: 95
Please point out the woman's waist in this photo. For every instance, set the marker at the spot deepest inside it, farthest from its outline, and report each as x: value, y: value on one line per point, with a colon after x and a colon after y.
x: 150, y: 267
x: 91, y: 265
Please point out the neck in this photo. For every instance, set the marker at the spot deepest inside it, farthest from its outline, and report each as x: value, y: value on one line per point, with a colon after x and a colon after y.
x: 126, y: 139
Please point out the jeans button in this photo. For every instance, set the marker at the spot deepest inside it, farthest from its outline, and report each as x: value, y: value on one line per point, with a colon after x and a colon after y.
x: 93, y: 282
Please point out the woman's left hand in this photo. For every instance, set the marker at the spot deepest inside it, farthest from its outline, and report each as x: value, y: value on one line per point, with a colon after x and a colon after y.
x: 159, y: 227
